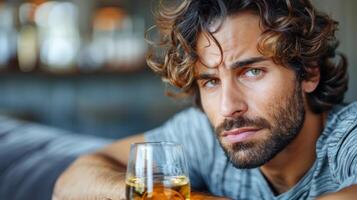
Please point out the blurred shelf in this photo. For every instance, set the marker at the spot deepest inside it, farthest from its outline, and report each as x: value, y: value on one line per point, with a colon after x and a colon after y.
x: 76, y: 72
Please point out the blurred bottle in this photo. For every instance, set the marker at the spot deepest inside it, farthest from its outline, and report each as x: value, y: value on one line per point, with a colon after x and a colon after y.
x: 27, y: 42
x: 8, y: 36
x: 117, y: 42
x: 106, y: 24
x: 59, y: 35
x: 130, y: 45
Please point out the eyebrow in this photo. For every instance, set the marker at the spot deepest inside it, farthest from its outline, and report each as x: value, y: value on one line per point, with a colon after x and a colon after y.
x: 237, y: 64
x: 249, y: 61
x: 204, y: 76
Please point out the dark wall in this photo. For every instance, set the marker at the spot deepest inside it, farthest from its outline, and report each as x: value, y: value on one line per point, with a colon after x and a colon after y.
x: 108, y: 105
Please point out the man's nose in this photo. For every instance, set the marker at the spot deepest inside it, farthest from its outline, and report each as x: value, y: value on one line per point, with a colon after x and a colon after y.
x: 232, y: 101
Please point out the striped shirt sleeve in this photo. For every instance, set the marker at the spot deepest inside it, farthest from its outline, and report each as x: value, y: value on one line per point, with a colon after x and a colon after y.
x: 343, y: 154
x: 191, y: 129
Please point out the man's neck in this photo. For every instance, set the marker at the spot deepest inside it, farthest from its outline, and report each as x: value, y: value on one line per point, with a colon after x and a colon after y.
x: 291, y: 164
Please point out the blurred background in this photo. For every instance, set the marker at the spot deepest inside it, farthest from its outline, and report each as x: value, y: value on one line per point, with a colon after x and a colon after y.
x: 79, y: 65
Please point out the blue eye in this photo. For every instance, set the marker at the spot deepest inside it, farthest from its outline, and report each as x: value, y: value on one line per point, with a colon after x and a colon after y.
x: 254, y: 72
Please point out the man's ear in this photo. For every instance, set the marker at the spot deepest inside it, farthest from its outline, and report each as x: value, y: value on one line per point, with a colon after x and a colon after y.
x: 311, y: 81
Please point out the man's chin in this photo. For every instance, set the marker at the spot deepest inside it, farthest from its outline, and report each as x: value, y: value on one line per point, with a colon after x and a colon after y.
x: 246, y: 163
x: 247, y: 155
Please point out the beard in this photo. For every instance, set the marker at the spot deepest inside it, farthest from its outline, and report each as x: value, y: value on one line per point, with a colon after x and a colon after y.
x: 287, y: 119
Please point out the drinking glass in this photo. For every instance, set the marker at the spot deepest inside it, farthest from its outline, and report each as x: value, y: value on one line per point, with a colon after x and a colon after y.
x: 157, y: 171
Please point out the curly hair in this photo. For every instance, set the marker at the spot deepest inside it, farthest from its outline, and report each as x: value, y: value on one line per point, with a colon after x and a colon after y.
x: 294, y: 34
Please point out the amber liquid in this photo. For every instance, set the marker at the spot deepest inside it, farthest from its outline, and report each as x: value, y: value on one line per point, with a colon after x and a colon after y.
x: 164, y: 188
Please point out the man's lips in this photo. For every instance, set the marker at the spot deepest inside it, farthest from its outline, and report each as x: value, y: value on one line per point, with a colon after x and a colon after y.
x: 239, y: 131
x: 239, y: 134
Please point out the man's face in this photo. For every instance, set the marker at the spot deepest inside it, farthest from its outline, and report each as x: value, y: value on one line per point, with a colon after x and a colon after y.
x: 255, y: 106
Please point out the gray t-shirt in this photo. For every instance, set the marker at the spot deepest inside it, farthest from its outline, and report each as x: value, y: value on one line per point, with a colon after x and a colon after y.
x: 335, y: 167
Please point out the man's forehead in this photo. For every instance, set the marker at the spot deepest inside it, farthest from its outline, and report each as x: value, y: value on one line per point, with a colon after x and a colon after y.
x: 238, y: 37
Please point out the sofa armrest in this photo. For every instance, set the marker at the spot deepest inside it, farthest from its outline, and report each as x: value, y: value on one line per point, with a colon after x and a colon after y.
x: 33, y: 156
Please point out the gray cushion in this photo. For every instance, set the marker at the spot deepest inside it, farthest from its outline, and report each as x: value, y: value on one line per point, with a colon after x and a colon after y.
x: 33, y: 156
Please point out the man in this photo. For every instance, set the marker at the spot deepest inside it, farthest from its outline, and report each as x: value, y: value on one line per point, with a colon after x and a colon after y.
x: 268, y: 80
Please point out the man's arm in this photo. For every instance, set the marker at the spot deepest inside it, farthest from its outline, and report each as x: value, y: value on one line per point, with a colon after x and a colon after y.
x: 101, y: 175
x: 349, y: 193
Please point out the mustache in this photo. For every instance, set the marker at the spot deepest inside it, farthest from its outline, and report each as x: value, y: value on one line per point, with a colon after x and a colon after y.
x: 238, y: 122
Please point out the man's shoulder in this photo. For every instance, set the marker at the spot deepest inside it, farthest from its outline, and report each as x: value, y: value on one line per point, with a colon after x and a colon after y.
x: 185, y: 122
x: 192, y: 116
x: 191, y: 111
x: 341, y: 128
x: 341, y: 134
x: 346, y: 113
x: 342, y: 118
